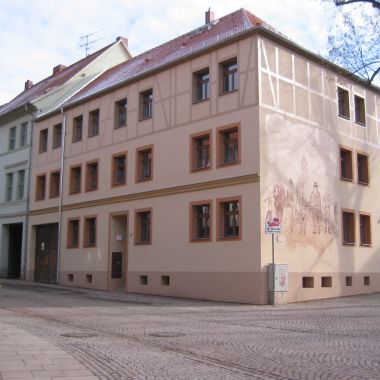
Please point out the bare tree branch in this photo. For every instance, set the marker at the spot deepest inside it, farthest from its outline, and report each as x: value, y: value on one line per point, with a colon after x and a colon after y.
x: 354, y: 41
x: 375, y: 3
x: 376, y: 72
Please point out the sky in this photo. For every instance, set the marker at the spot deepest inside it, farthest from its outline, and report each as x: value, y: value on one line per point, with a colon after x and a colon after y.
x: 36, y: 35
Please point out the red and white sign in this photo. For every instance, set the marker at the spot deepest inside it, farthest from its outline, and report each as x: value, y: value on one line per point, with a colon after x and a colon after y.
x: 273, y: 226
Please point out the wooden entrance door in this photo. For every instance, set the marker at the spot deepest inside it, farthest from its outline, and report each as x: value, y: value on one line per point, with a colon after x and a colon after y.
x: 46, y: 253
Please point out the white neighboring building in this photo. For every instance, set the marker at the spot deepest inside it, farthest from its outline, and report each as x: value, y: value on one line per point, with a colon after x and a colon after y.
x: 16, y: 123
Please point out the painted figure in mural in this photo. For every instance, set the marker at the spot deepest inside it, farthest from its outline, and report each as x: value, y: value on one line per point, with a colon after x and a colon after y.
x: 269, y: 214
x: 290, y: 204
x: 300, y: 198
x: 326, y: 213
x: 315, y: 208
x: 279, y: 196
x: 300, y: 206
x: 335, y: 217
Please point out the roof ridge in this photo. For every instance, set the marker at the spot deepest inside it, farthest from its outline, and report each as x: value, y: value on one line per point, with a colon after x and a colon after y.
x: 204, y: 36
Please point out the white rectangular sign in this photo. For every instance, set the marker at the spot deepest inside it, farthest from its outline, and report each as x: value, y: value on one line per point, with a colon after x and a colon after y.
x: 273, y: 226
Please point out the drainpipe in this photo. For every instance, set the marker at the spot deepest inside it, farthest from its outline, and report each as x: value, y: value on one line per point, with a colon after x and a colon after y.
x: 25, y: 238
x: 61, y: 194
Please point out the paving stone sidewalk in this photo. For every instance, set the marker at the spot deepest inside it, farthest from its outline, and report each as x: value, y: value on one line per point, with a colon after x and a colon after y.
x: 24, y: 356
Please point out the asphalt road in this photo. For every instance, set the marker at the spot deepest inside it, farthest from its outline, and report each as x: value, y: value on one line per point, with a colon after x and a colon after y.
x: 126, y: 336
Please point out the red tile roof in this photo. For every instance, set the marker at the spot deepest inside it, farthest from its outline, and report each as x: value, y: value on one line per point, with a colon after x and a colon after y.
x: 206, y: 36
x: 50, y: 83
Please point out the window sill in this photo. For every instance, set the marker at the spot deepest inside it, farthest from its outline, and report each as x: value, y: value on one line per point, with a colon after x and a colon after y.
x: 197, y: 101
x: 56, y: 147
x: 143, y: 180
x: 145, y: 118
x: 363, y: 183
x: 363, y: 125
x: 365, y: 245
x: 143, y: 243
x: 72, y: 247
x: 93, y: 135
x: 89, y: 190
x: 53, y: 196
x: 74, y: 192
x: 196, y: 170
x: 349, y: 244
x: 119, y: 126
x: 344, y: 117
x: 347, y: 179
x: 226, y: 164
x: 196, y: 240
x: 228, y: 92
x: 89, y: 246
x: 40, y: 199
x: 118, y: 184
x: 75, y: 141
x: 229, y: 238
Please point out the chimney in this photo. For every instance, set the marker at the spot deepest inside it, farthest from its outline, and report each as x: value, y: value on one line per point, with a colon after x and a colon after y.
x: 123, y: 39
x: 28, y: 84
x: 57, y: 69
x: 209, y: 16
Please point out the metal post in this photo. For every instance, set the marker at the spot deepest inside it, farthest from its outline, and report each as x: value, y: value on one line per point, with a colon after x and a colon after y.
x: 273, y: 272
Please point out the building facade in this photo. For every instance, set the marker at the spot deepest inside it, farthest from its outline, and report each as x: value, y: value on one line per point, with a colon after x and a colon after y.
x: 173, y: 162
x: 16, y: 128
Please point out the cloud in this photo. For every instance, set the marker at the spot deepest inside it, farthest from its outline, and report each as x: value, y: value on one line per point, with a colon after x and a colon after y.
x: 37, y: 35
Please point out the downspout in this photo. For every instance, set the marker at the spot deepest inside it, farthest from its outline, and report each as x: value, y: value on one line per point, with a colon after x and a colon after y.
x: 26, y: 240
x: 61, y: 194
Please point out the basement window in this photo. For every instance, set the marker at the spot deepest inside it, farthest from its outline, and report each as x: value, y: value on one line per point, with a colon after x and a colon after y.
x: 348, y: 280
x: 89, y: 278
x: 70, y: 277
x: 165, y: 280
x: 308, y: 282
x: 326, y: 282
x: 367, y: 281
x: 143, y: 280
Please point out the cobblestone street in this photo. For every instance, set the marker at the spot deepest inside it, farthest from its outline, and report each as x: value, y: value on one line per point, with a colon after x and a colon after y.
x: 83, y: 334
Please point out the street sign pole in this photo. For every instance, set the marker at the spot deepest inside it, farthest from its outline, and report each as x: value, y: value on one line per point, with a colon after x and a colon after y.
x: 273, y: 226
x: 273, y: 272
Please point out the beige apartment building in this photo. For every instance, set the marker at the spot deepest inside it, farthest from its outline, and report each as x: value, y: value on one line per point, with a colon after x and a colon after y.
x: 173, y: 162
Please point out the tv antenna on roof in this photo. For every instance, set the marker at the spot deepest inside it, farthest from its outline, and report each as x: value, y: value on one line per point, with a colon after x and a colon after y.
x: 88, y: 43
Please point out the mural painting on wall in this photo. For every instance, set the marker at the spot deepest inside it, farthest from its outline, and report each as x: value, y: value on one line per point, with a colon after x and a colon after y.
x: 301, y: 194
x: 302, y: 211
